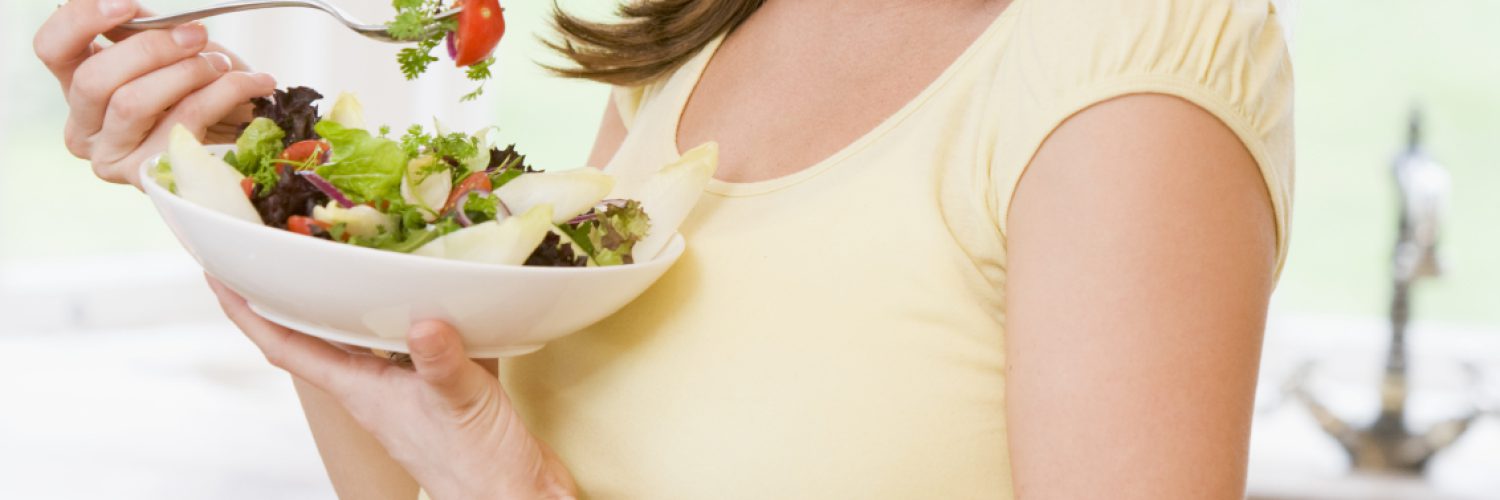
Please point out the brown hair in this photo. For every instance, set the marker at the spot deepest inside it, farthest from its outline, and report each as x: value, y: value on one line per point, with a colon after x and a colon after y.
x: 651, y: 38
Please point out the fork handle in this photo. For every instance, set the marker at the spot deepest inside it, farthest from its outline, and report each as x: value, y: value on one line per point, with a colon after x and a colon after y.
x: 163, y: 22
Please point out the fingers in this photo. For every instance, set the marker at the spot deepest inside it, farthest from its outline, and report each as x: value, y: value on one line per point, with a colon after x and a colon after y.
x: 66, y: 39
x: 438, y: 355
x: 218, y: 100
x: 310, y: 359
x: 96, y: 79
x: 239, y: 63
x: 137, y: 106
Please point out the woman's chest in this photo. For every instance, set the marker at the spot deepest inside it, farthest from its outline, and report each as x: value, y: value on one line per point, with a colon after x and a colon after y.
x: 805, y: 322
x: 796, y: 84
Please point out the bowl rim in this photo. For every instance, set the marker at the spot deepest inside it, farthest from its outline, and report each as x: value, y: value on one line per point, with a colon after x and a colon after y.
x: 159, y: 194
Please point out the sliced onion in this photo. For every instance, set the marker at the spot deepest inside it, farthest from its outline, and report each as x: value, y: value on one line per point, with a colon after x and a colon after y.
x: 462, y: 218
x: 458, y: 206
x: 452, y: 47
x: 594, y: 214
x: 503, y: 207
x: 326, y: 187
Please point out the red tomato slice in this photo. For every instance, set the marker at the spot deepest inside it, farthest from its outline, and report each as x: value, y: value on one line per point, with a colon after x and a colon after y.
x: 248, y: 185
x: 480, y: 27
x: 301, y: 151
x: 303, y: 225
x: 476, y: 180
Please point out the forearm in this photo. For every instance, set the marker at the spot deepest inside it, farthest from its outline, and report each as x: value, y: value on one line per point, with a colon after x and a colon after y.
x: 357, y: 464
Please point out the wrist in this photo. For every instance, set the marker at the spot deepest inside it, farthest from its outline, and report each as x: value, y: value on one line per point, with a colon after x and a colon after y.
x: 544, y: 477
x: 541, y: 485
x: 531, y: 471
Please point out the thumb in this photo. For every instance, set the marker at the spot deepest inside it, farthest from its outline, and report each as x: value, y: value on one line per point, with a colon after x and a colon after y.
x: 438, y: 355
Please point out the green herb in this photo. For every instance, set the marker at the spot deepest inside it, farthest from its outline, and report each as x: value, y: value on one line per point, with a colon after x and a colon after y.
x: 415, y: 60
x: 435, y: 167
x: 457, y: 147
x: 479, y: 72
x: 256, y: 151
x: 265, y: 180
x: 481, y: 208
x: 416, y: 21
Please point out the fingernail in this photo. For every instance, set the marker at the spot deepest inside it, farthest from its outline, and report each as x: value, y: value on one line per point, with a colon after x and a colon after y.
x: 219, y: 61
x: 264, y: 79
x: 190, y: 35
x: 426, y: 341
x: 111, y: 9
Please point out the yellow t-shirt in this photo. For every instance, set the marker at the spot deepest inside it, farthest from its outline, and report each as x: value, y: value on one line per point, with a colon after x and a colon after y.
x: 840, y: 332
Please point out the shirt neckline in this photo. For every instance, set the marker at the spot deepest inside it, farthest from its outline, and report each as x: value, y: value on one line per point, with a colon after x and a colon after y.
x: 696, y: 67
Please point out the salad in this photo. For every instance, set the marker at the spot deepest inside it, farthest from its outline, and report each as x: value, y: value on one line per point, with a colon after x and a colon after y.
x: 437, y: 194
x: 470, y: 38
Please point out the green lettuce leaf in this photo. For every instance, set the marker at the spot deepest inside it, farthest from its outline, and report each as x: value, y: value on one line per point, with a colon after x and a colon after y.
x: 256, y: 151
x: 257, y: 145
x: 505, y: 166
x: 363, y: 166
x: 609, y: 238
x: 616, y: 231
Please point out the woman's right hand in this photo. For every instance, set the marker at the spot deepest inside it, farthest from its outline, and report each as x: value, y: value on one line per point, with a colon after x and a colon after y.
x: 124, y: 98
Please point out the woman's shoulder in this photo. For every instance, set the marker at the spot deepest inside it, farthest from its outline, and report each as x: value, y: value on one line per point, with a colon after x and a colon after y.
x: 1165, y: 22
x: 1228, y: 57
x: 1231, y: 50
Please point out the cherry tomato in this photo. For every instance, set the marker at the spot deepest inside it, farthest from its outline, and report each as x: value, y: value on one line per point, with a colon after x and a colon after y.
x: 475, y: 181
x: 248, y: 185
x: 303, y: 225
x: 480, y: 27
x: 301, y: 151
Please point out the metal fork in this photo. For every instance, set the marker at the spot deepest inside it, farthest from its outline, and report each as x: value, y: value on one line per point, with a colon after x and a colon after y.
x: 373, y: 31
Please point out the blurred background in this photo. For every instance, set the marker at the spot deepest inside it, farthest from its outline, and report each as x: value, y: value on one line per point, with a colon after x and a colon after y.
x: 121, y: 379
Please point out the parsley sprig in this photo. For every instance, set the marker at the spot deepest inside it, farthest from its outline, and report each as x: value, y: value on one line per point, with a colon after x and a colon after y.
x: 455, y: 145
x: 416, y: 21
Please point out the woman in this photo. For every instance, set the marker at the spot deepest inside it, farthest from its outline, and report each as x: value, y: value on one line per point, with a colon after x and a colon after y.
x: 958, y: 249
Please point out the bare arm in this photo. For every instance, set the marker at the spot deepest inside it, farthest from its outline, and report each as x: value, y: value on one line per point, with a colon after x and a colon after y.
x: 1141, y: 252
x: 357, y: 465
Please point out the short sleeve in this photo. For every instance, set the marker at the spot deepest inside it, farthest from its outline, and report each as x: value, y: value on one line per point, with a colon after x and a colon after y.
x: 1228, y: 57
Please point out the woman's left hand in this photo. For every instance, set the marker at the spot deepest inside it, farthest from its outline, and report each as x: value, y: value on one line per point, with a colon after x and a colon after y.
x: 446, y: 420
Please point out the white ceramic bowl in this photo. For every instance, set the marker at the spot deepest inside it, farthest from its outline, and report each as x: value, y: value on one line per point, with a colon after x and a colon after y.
x: 369, y: 298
